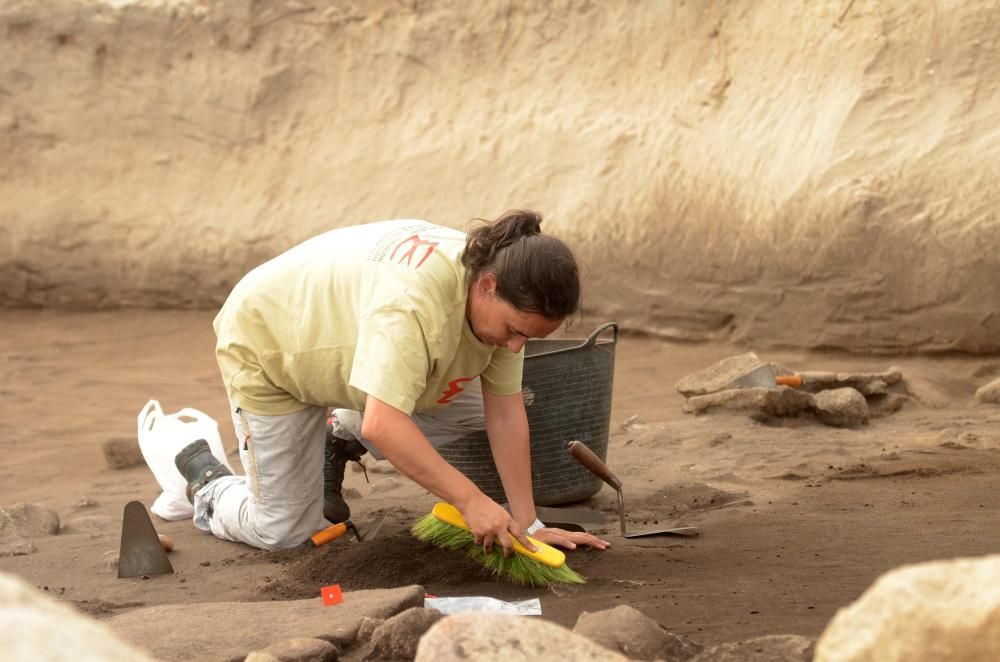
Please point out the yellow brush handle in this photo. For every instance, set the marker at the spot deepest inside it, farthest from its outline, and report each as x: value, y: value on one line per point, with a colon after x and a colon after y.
x: 546, y: 554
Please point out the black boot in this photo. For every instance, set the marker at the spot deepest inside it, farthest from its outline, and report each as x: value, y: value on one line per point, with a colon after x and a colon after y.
x: 338, y: 453
x: 197, y: 464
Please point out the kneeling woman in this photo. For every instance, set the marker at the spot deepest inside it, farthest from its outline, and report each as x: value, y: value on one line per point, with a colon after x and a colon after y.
x: 413, y: 333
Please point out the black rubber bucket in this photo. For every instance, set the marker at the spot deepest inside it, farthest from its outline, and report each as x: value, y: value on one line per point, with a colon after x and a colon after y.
x: 567, y: 393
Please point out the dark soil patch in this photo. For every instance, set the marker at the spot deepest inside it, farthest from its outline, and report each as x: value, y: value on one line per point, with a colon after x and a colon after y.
x: 393, y: 560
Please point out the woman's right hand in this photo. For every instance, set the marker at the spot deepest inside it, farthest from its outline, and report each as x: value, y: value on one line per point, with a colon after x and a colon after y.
x: 491, y: 524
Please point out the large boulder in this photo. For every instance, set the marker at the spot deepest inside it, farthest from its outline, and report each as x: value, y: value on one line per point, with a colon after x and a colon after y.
x: 35, y: 627
x: 929, y: 612
x: 484, y: 637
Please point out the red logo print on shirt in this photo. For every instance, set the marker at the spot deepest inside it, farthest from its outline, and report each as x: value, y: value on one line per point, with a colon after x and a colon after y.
x: 454, y: 388
x: 415, y: 243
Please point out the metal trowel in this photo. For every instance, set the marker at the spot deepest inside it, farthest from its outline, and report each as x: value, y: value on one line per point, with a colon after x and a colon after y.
x: 141, y: 552
x: 596, y: 466
x: 765, y: 376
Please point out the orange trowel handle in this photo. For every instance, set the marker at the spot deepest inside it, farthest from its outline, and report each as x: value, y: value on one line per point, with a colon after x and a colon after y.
x: 794, y: 381
x: 329, y: 534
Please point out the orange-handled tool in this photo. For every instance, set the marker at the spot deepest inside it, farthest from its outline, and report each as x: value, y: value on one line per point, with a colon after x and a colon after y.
x: 794, y: 381
x: 331, y: 533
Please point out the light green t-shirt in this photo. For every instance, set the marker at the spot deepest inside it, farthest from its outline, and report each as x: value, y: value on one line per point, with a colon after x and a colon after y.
x: 375, y: 309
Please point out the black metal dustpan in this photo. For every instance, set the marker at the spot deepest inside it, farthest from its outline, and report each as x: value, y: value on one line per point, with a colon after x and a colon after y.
x: 141, y: 553
x: 596, y: 466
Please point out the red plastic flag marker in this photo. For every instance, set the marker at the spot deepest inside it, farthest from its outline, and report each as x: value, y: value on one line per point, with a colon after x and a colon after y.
x: 331, y: 595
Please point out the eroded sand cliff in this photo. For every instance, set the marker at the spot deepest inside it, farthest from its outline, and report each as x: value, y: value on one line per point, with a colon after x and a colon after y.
x: 814, y: 174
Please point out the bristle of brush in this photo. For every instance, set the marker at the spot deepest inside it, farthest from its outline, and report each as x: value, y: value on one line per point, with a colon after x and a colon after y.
x: 523, y: 570
x: 440, y: 534
x: 515, y: 568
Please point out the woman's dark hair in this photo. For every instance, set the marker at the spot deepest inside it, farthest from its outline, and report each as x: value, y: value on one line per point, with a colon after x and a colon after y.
x: 535, y: 273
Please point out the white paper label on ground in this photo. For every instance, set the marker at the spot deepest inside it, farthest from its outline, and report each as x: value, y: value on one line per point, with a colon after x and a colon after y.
x: 462, y: 605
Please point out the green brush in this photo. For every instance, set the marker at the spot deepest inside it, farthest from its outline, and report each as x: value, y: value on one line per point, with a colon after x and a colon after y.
x: 445, y: 527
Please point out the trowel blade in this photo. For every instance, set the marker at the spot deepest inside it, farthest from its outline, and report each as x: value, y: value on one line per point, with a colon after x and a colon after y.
x: 141, y: 552
x: 372, y: 529
x: 763, y: 376
x: 687, y: 531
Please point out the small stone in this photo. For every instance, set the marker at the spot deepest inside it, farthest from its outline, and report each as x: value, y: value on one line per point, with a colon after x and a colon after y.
x: 629, y: 631
x: 16, y: 546
x: 84, y: 502
x: 841, y: 407
x: 382, y: 467
x: 634, y: 423
x: 990, y: 393
x: 385, y: 485
x: 122, y: 452
x: 111, y: 560
x: 29, y: 520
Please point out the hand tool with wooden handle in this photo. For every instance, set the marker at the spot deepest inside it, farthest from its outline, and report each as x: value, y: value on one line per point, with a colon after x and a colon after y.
x: 596, y: 466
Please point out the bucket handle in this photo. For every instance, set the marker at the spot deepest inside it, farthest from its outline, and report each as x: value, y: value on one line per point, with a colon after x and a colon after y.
x: 592, y: 339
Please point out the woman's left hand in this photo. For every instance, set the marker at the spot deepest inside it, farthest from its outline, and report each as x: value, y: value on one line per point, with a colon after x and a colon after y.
x: 569, y: 539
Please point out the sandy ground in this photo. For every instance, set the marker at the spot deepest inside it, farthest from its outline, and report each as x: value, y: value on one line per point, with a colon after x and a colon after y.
x: 797, y: 519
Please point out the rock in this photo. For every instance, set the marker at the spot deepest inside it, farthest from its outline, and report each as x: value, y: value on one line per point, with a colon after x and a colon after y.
x: 942, y: 610
x: 883, y: 405
x: 373, y: 466
x: 84, y: 502
x: 772, y: 648
x: 368, y: 627
x: 16, y: 546
x: 301, y: 649
x: 866, y: 383
x: 719, y: 376
x: 397, y: 637
x: 28, y: 520
x: 248, y: 626
x: 36, y: 627
x: 841, y: 407
x: 122, y: 453
x: 760, y: 403
x: 110, y: 560
x: 634, y: 422
x: 385, y: 485
x: 484, y: 637
x: 989, y: 393
x: 635, y: 635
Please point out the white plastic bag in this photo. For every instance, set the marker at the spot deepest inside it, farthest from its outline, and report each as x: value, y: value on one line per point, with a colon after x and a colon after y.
x: 532, y: 607
x: 161, y: 438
